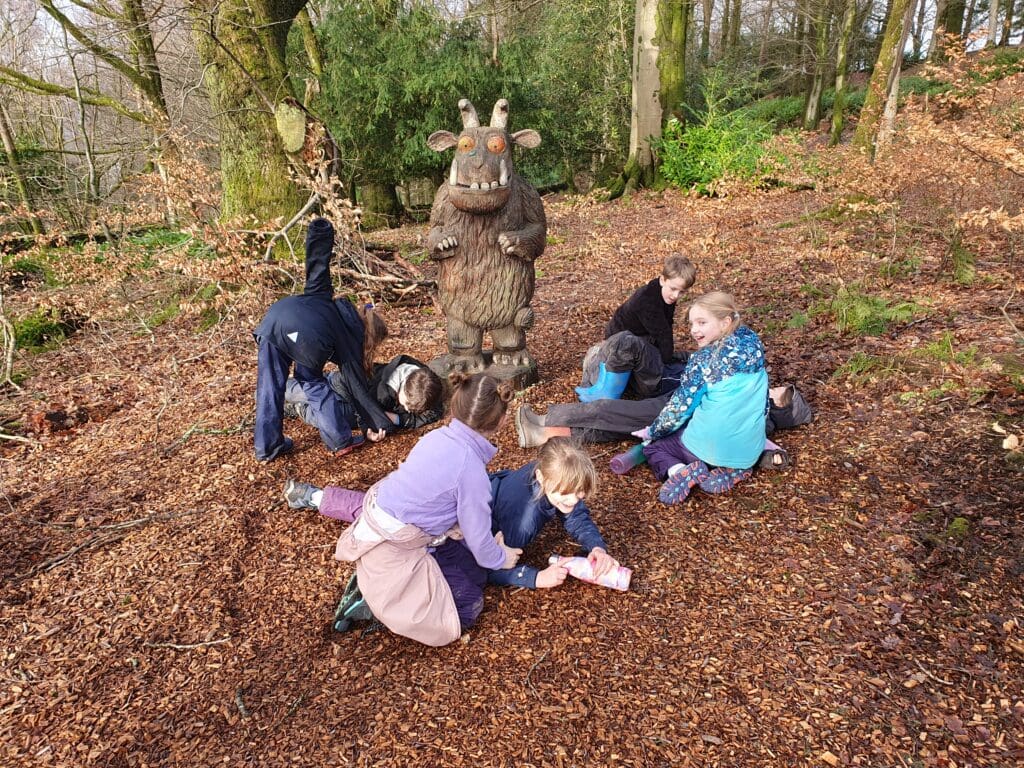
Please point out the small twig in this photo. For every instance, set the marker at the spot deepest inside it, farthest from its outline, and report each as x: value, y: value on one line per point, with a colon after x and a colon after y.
x: 933, y: 677
x: 198, y: 429
x: 93, y: 541
x: 283, y: 231
x: 1007, y: 316
x: 188, y: 647
x: 385, y: 278
x: 530, y: 672
x: 20, y: 439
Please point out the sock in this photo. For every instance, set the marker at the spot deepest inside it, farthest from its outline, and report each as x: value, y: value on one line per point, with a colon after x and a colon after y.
x: 315, y: 498
x: 675, y: 468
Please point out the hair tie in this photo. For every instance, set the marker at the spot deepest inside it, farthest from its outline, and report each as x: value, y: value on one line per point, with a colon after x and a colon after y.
x: 368, y: 306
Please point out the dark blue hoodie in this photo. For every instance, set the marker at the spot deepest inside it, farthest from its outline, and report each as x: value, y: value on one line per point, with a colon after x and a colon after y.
x: 314, y: 328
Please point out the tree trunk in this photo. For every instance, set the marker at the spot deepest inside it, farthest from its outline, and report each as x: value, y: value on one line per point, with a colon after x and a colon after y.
x: 242, y: 48
x: 842, y: 48
x: 20, y: 182
x: 953, y: 18
x: 673, y: 31
x: 969, y: 21
x: 381, y: 206
x: 993, y: 27
x: 705, y: 31
x: 762, y: 56
x: 646, y: 111
x: 812, y: 106
x: 885, y: 77
x: 935, y: 44
x: 734, y: 24
x: 1004, y: 38
x: 723, y: 33
x: 917, y: 34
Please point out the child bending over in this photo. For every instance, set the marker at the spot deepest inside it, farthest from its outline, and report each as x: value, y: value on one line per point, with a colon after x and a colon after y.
x: 410, y: 573
x: 638, y: 340
x: 712, y: 430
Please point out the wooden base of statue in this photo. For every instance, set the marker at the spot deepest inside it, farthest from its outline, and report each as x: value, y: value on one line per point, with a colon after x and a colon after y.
x: 521, y: 376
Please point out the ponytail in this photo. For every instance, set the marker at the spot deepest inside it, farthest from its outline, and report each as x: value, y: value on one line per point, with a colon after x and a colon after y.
x: 374, y: 332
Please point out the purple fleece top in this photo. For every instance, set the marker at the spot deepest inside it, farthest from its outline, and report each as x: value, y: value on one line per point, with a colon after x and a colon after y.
x: 442, y: 481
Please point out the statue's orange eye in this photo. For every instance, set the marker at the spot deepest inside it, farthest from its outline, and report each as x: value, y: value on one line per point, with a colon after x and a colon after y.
x: 496, y: 144
x: 467, y: 143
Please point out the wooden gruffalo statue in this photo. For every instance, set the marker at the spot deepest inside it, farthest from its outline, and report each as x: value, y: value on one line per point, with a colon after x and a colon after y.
x: 487, y: 227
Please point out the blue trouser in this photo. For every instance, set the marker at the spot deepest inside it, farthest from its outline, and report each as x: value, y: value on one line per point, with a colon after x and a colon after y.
x: 465, y: 578
x: 331, y: 415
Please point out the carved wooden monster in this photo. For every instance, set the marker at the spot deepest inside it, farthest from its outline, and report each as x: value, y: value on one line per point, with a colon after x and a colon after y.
x: 487, y: 227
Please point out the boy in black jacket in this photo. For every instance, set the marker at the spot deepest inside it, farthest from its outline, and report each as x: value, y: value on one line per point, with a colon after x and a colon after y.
x: 638, y: 339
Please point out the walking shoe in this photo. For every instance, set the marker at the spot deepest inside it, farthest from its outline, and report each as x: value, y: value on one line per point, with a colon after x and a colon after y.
x: 299, y: 495
x: 357, y: 441
x: 351, y: 608
x: 290, y: 410
x: 529, y: 428
x: 679, y: 485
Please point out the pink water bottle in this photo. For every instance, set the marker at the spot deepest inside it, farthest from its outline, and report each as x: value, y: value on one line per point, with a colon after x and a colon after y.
x: 579, y: 567
x: 625, y: 461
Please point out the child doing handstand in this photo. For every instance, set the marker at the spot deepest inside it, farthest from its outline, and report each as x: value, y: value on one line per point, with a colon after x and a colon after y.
x: 414, y: 578
x: 712, y: 430
x: 638, y: 350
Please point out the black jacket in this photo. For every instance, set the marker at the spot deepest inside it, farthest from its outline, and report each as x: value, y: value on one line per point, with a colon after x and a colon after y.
x: 388, y: 398
x: 646, y: 315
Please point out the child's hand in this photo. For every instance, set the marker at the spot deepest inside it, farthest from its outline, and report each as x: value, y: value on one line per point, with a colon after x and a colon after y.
x: 601, y: 562
x: 511, y: 553
x: 375, y: 435
x: 644, y: 434
x: 552, y: 576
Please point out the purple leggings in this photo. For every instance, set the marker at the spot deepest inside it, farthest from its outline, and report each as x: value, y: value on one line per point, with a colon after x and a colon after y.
x: 465, y: 577
x: 665, y: 453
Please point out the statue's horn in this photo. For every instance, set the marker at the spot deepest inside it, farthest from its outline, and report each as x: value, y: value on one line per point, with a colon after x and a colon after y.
x: 499, y: 117
x: 469, y: 118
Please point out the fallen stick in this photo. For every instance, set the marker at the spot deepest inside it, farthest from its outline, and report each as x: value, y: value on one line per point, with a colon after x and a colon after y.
x: 189, y: 646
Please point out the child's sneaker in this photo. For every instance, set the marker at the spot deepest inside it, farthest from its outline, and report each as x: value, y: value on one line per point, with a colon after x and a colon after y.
x: 356, y: 442
x: 679, y: 485
x: 299, y: 495
x: 351, y: 608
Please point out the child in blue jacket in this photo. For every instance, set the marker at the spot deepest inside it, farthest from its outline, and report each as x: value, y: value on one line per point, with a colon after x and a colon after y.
x: 524, y: 500
x: 711, y: 432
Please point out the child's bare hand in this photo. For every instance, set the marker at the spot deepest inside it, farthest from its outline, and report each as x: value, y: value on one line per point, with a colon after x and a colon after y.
x: 375, y: 435
x: 644, y: 434
x: 601, y: 562
x: 511, y: 553
x: 552, y: 576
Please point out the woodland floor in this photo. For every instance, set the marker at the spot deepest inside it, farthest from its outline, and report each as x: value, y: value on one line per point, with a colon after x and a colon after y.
x: 162, y: 606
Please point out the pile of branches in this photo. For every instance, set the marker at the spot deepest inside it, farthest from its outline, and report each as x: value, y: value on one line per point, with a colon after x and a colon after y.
x: 315, y: 161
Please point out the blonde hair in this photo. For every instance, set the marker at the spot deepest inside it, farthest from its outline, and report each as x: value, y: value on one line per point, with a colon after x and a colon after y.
x: 677, y: 265
x: 720, y: 305
x: 479, y: 401
x: 566, y: 468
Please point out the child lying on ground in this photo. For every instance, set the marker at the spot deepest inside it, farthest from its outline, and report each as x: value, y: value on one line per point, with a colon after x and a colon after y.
x: 408, y: 391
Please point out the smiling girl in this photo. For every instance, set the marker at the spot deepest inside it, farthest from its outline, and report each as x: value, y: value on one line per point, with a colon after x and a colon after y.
x: 711, y: 432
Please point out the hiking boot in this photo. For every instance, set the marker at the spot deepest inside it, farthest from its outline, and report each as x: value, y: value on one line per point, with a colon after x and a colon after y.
x: 676, y: 488
x: 529, y: 428
x: 351, y: 608
x: 299, y: 495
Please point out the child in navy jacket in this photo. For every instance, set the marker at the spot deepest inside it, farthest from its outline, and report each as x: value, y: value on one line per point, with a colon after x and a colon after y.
x: 524, y: 500
x: 308, y: 331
